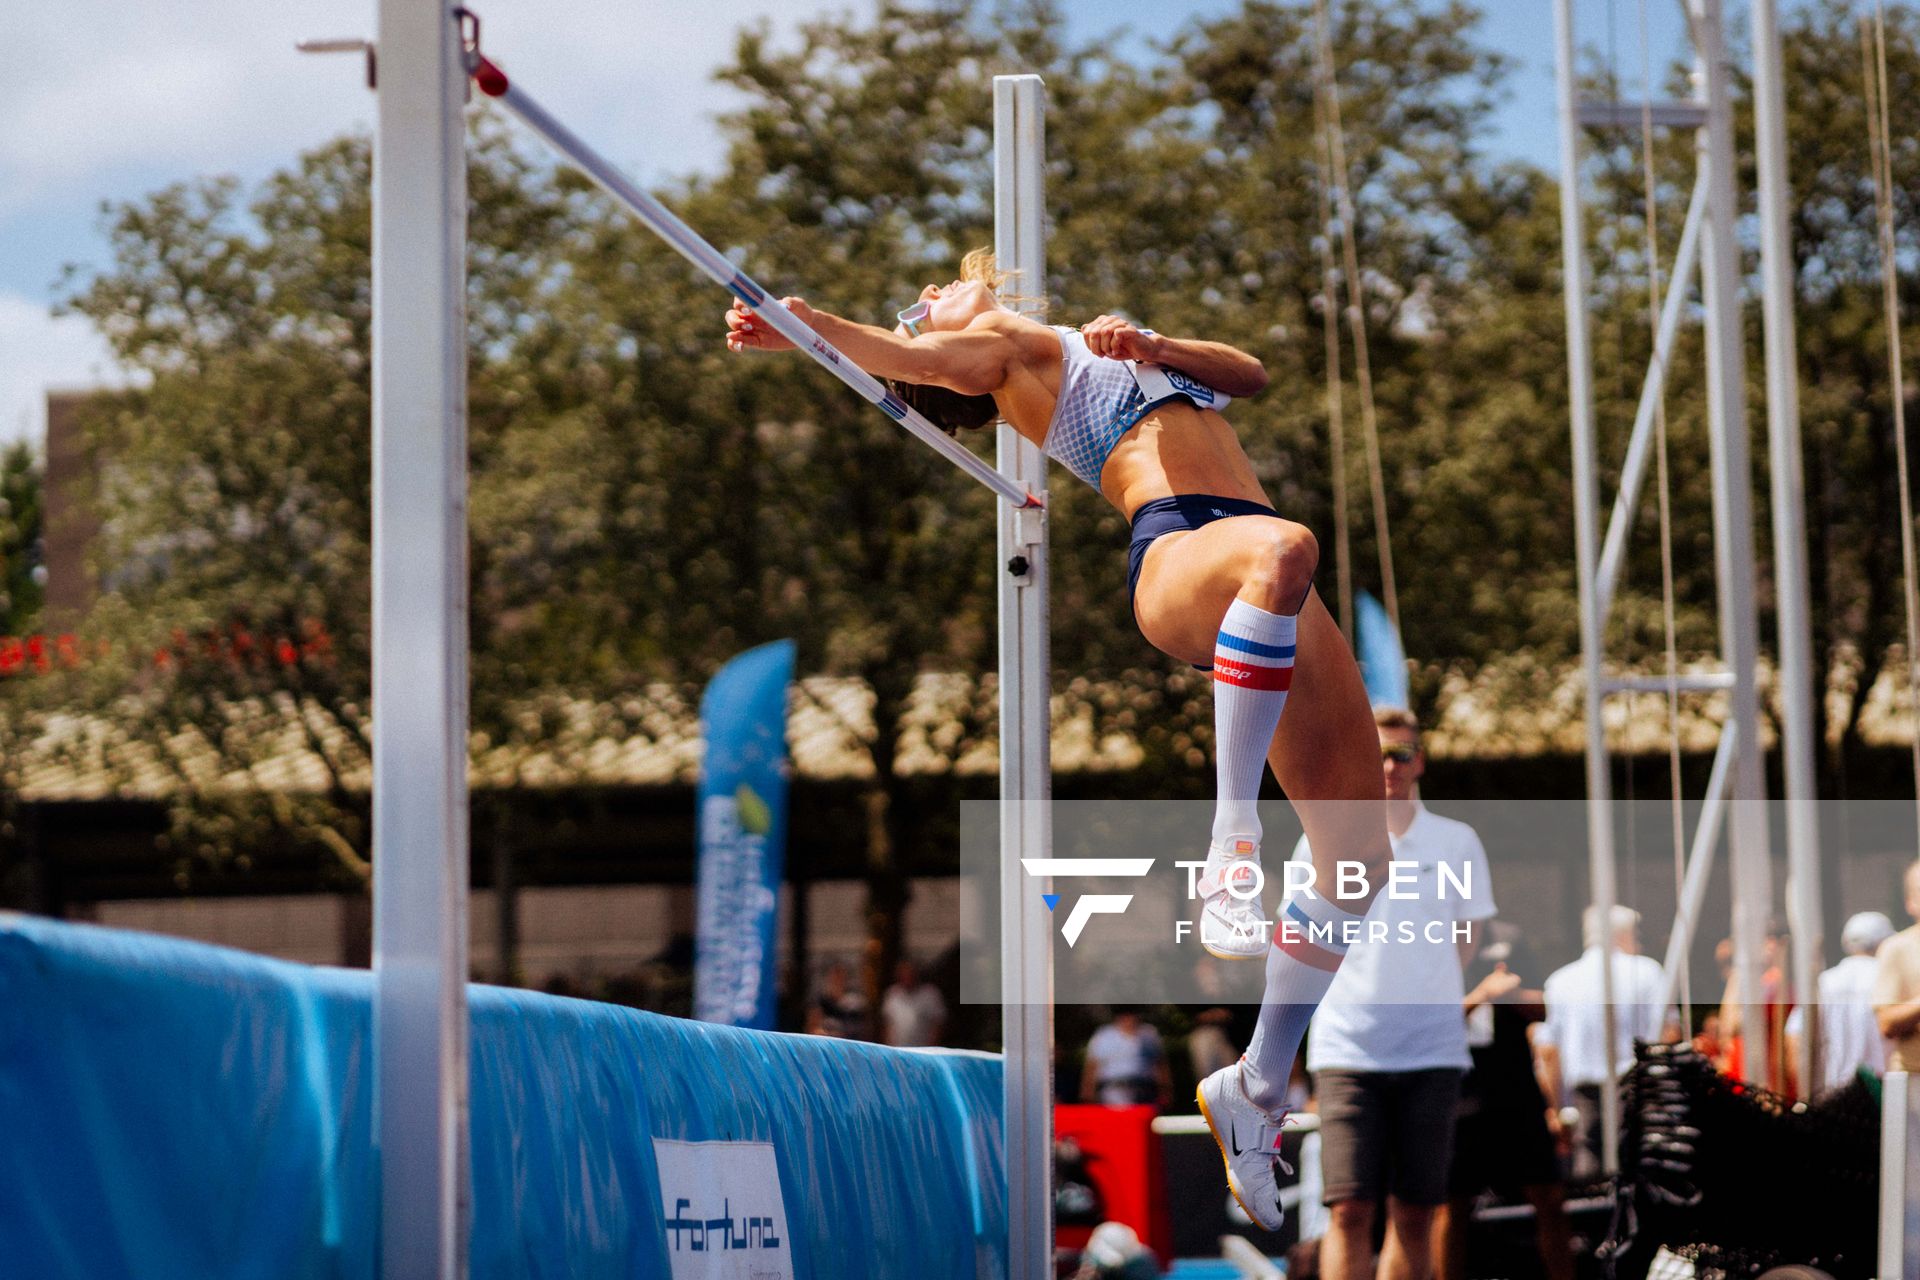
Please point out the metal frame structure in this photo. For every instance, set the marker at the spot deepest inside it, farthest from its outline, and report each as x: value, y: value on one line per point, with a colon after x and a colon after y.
x: 1708, y: 244
x: 1789, y: 505
x: 420, y: 842
x: 427, y: 51
x: 1899, y: 1244
x: 1026, y: 822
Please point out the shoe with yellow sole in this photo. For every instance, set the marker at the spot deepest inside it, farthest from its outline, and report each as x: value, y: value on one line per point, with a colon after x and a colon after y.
x: 1249, y: 1138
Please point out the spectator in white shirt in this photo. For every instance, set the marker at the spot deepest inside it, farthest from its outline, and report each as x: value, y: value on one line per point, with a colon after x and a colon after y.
x: 912, y: 1013
x: 1572, y: 1041
x: 1850, y: 1036
x: 1388, y: 1046
x: 1126, y: 1064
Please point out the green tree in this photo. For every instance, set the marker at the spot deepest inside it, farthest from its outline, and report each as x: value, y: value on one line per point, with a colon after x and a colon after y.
x: 21, y: 573
x: 233, y: 549
x: 644, y: 505
x: 22, y: 555
x: 1853, y: 524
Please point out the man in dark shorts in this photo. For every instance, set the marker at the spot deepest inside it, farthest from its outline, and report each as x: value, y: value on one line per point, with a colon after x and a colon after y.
x: 1501, y: 1141
x: 1388, y: 1045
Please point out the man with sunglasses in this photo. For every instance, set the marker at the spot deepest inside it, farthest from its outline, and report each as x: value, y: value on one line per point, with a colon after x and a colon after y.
x: 1388, y: 1047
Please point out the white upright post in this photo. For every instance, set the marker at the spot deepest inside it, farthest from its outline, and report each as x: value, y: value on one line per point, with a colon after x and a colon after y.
x: 1752, y: 873
x: 1026, y: 827
x: 1586, y: 537
x: 420, y: 642
x: 1899, y: 1176
x: 1804, y: 909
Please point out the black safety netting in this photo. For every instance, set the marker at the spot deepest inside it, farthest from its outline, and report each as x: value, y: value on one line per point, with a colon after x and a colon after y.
x: 1736, y: 1179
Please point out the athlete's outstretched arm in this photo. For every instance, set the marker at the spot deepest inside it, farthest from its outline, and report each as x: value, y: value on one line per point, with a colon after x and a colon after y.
x: 972, y: 361
x: 1222, y: 367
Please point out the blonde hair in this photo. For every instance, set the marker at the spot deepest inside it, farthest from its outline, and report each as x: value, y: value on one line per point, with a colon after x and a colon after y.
x: 983, y: 265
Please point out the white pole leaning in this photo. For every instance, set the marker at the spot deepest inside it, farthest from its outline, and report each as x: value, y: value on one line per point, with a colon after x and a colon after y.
x: 1026, y: 829
x: 420, y: 848
x: 717, y: 267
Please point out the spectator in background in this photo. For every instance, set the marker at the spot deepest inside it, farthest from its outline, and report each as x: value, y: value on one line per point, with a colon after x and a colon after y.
x: 1114, y: 1252
x: 1126, y: 1064
x: 1896, y: 985
x: 913, y: 1014
x: 1210, y: 1045
x: 1388, y: 1045
x: 838, y: 1010
x: 1850, y: 1036
x: 1712, y: 1040
x: 1503, y: 1139
x: 1573, y: 1039
x: 1776, y: 1003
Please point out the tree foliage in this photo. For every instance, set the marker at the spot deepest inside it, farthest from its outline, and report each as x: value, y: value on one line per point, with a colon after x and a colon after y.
x: 22, y: 552
x: 644, y: 505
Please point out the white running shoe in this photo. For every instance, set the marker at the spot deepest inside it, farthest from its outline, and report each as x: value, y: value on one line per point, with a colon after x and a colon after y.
x: 1249, y: 1139
x: 1232, y: 928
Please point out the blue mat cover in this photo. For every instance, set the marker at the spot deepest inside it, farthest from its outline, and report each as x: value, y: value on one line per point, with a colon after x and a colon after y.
x: 169, y: 1109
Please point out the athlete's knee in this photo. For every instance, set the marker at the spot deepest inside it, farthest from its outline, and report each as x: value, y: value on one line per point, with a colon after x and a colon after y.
x: 1283, y: 558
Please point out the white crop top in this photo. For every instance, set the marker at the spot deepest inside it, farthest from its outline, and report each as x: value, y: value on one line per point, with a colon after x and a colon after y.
x: 1102, y: 399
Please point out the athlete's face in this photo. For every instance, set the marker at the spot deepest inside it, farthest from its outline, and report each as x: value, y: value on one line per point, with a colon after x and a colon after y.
x: 951, y: 306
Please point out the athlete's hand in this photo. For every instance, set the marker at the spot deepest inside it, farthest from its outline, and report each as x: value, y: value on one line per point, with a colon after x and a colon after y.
x: 1120, y: 339
x: 746, y: 331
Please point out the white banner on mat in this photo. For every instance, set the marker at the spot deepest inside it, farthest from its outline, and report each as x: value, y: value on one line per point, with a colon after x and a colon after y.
x: 724, y: 1215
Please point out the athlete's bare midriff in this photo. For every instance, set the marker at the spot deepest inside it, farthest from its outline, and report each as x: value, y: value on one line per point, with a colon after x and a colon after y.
x: 1175, y: 449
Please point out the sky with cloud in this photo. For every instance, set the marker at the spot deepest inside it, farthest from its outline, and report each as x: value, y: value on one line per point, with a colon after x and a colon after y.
x: 106, y: 100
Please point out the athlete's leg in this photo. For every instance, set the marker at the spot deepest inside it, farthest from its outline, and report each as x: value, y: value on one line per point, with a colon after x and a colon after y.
x: 1227, y: 595
x: 1238, y: 582
x: 1327, y: 759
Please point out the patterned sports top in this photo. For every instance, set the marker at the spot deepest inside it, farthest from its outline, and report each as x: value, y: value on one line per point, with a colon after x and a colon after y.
x: 1102, y: 399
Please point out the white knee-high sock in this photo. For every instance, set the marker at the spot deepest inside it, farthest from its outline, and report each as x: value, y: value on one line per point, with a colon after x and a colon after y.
x: 1252, y: 670
x: 1309, y: 942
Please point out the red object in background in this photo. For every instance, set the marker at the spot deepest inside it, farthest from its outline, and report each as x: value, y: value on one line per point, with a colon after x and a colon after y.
x: 236, y: 647
x: 1123, y: 1160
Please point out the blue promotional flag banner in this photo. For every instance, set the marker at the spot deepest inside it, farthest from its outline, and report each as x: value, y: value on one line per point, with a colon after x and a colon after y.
x: 743, y: 836
x: 1383, y: 663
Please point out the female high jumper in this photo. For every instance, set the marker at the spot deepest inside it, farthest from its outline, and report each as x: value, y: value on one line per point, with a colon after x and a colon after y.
x: 1218, y: 579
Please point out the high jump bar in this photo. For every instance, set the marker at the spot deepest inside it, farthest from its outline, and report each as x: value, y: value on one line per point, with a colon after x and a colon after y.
x: 715, y: 265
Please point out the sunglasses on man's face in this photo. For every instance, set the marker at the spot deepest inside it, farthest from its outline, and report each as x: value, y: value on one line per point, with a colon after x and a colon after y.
x: 915, y: 316
x: 1398, y: 752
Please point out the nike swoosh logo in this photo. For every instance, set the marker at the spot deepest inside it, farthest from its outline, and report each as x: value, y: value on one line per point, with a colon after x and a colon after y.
x: 1233, y: 1139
